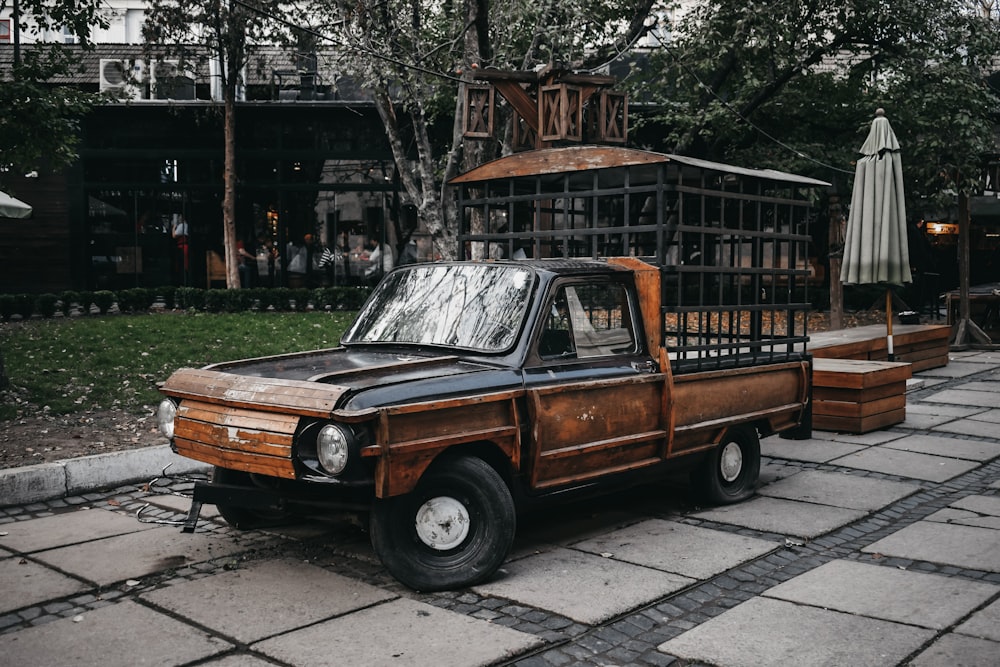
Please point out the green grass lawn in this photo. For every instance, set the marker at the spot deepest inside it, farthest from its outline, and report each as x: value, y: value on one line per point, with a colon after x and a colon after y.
x: 114, y: 362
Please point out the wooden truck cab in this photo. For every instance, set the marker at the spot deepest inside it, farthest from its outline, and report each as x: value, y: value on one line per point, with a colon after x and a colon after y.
x: 464, y: 391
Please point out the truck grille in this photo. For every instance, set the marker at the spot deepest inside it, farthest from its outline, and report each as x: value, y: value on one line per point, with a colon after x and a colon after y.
x: 236, y: 438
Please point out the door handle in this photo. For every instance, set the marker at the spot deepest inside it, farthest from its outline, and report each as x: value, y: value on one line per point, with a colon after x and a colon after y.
x: 647, y: 366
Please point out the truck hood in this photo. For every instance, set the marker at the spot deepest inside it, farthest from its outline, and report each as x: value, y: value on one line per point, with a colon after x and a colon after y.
x: 319, y: 382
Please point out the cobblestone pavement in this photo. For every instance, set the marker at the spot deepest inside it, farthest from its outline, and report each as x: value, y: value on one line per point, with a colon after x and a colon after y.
x: 875, y: 549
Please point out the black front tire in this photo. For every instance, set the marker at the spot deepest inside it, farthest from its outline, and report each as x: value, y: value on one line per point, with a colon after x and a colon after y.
x: 243, y: 518
x: 454, y: 530
x: 730, y: 472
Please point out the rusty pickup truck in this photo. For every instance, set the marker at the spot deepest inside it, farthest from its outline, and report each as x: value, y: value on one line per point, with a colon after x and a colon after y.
x: 465, y: 390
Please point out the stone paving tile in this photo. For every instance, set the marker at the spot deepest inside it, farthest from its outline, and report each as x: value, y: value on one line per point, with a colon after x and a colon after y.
x: 915, y: 598
x: 774, y: 470
x: 945, y: 543
x: 690, y: 551
x: 965, y: 518
x: 26, y: 583
x: 839, y: 490
x: 906, y: 464
x: 957, y: 650
x: 97, y: 638
x: 266, y: 598
x: 956, y: 448
x: 976, y: 510
x: 915, y: 384
x: 974, y: 427
x: 544, y: 532
x: 785, y: 517
x: 581, y: 586
x: 989, y: 505
x: 992, y: 416
x: 181, y: 505
x: 924, y: 422
x: 68, y: 528
x: 241, y: 660
x: 992, y: 384
x: 871, y: 438
x: 954, y: 369
x: 955, y: 411
x: 763, y: 632
x: 136, y: 555
x: 984, y: 624
x: 399, y: 633
x: 813, y: 450
x: 982, y: 356
x: 305, y: 530
x: 963, y: 397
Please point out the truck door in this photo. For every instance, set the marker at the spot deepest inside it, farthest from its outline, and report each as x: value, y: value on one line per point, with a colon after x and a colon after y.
x: 595, y: 397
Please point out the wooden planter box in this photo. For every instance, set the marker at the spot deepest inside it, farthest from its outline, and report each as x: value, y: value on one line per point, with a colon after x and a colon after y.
x: 858, y: 396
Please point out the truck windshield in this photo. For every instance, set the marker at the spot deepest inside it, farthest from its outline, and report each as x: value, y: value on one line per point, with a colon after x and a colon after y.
x: 471, y: 306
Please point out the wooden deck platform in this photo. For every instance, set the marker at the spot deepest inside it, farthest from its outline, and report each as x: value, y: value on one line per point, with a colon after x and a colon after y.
x: 855, y: 388
x: 921, y: 345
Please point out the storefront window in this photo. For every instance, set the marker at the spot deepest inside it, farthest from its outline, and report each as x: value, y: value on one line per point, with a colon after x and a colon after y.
x: 139, y: 238
x: 154, y: 208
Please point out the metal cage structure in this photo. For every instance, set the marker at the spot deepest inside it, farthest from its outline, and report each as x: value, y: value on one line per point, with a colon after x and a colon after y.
x: 731, y: 243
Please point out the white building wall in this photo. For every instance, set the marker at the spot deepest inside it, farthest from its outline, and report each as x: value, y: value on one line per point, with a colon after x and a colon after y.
x: 124, y: 16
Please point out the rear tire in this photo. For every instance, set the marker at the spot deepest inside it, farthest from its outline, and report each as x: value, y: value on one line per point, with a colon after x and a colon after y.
x: 243, y: 518
x: 730, y: 472
x: 454, y: 530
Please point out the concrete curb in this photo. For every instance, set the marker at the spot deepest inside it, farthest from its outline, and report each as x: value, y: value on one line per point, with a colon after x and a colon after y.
x: 31, y: 484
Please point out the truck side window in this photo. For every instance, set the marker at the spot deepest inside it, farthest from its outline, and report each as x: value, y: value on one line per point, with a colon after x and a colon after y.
x: 588, y: 321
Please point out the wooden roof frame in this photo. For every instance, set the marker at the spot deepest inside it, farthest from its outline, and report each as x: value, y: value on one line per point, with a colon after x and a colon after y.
x: 551, y: 104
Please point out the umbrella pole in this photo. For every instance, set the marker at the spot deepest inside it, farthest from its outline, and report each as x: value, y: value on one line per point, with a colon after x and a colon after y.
x: 888, y: 322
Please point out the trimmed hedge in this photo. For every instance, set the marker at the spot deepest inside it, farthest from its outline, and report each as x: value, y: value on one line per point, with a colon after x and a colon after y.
x: 143, y: 299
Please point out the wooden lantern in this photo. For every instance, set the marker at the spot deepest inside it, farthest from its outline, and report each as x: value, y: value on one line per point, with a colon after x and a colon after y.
x: 612, y: 120
x: 560, y: 113
x: 477, y: 122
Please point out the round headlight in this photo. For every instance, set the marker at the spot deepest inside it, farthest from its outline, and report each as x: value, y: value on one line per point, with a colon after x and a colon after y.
x: 332, y: 449
x: 165, y: 414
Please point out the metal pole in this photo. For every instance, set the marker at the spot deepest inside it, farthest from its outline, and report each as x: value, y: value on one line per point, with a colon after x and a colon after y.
x: 17, y: 35
x: 888, y: 323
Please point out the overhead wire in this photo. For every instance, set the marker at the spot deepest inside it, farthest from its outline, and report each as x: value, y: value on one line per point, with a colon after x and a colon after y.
x: 448, y: 77
x: 736, y: 112
x: 356, y: 47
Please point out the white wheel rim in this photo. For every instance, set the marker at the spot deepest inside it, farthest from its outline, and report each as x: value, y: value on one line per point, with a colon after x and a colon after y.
x: 442, y: 523
x: 731, y: 461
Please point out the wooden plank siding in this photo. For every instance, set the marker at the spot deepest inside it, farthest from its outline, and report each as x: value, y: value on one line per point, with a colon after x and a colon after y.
x: 705, y: 404
x: 590, y: 429
x: 306, y: 399
x: 242, y: 422
x: 236, y: 438
x: 409, y: 437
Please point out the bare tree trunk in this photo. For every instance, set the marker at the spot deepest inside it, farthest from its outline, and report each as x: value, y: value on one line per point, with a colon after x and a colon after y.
x: 229, y: 197
x: 418, y: 181
x: 231, y: 57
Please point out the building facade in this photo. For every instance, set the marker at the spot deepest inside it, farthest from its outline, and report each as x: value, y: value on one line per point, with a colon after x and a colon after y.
x: 313, y: 164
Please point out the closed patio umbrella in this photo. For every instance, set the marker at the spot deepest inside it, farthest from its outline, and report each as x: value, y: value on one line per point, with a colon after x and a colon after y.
x: 875, y: 249
x: 13, y: 208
